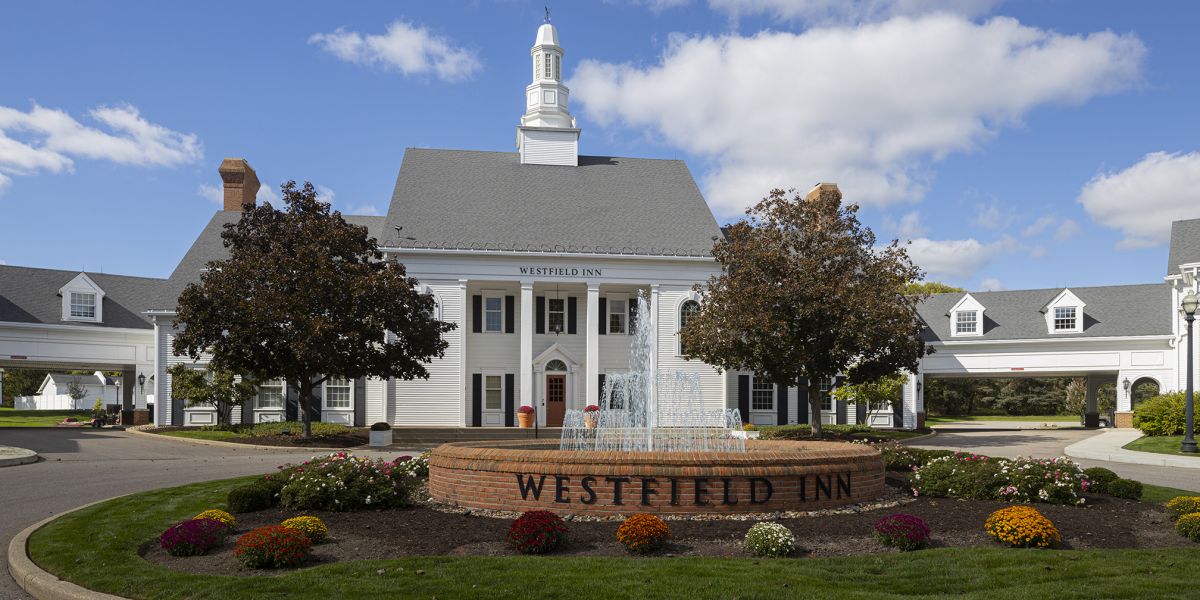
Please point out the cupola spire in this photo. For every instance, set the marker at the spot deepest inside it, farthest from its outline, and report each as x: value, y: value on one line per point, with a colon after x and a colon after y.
x: 547, y: 134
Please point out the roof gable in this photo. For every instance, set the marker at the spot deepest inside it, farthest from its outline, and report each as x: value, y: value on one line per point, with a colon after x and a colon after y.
x: 1064, y: 298
x: 968, y: 302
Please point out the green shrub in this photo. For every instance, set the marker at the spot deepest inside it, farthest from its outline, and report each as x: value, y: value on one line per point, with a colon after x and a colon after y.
x: 1183, y: 505
x: 958, y: 477
x: 1098, y: 479
x: 1125, y: 488
x: 319, y: 429
x: 381, y: 426
x: 1049, y: 480
x: 904, y: 458
x: 1161, y: 415
x: 770, y: 539
x: 250, y: 498
x: 1189, y: 526
x: 273, y: 484
x: 803, y: 432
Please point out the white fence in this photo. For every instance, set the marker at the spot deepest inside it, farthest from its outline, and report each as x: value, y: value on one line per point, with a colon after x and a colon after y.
x: 52, y: 402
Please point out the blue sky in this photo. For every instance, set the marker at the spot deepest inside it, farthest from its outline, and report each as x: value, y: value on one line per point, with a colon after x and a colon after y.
x: 1018, y: 144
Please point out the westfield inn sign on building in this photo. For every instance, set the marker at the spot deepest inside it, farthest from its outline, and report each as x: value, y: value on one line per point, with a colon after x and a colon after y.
x: 538, y: 255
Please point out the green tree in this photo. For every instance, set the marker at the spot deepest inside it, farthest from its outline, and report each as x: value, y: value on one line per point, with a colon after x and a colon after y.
x: 804, y: 295
x: 925, y: 288
x: 874, y: 394
x: 304, y: 295
x: 219, y: 389
x: 22, y: 382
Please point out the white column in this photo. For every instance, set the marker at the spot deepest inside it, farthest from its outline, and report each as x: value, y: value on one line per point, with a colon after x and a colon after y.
x: 2, y: 383
x: 592, y: 360
x: 526, y: 377
x: 463, y: 385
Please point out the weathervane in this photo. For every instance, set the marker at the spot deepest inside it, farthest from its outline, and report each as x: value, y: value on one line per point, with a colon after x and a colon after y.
x: 547, y: 13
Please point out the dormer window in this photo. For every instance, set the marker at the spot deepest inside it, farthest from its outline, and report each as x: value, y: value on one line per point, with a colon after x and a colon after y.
x: 83, y: 306
x: 966, y: 322
x: 1064, y: 318
x: 82, y: 300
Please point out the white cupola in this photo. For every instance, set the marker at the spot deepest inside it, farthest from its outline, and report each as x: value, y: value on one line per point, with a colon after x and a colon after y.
x: 547, y: 134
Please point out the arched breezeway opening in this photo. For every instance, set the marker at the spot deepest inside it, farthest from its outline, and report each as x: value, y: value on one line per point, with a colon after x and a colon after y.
x: 1142, y: 389
x: 1058, y: 399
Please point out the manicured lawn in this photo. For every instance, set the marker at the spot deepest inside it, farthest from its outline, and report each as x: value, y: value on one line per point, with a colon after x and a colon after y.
x: 1164, y: 444
x: 1160, y: 494
x: 204, y: 434
x: 1040, y: 418
x: 97, y: 548
x: 890, y: 434
x: 39, y: 418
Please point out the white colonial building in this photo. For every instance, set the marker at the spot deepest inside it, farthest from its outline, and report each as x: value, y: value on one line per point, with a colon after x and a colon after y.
x: 538, y: 256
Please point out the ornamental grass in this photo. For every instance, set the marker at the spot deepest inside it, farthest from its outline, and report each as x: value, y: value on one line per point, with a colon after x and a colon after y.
x: 642, y: 533
x: 1022, y: 527
x: 273, y: 547
x: 314, y: 528
x: 217, y: 514
x: 537, y: 532
x: 192, y: 537
x: 770, y: 539
x: 901, y: 531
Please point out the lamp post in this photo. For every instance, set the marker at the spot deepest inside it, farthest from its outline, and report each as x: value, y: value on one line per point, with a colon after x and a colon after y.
x: 1189, y: 305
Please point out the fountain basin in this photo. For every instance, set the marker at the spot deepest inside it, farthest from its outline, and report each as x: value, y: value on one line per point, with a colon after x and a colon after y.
x: 769, y: 476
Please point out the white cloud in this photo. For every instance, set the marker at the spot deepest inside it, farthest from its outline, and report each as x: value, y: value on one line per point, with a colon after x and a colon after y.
x: 1142, y: 200
x: 990, y: 284
x: 266, y: 194
x: 47, y: 139
x: 908, y: 227
x: 850, y: 11
x: 955, y: 258
x: 365, y: 210
x: 212, y: 193
x: 3, y: 262
x: 1038, y: 251
x: 1066, y: 230
x: 871, y: 108
x: 1040, y: 225
x: 406, y: 47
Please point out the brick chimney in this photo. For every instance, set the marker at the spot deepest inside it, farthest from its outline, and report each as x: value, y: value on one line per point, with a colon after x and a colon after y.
x: 816, y: 191
x: 241, y: 183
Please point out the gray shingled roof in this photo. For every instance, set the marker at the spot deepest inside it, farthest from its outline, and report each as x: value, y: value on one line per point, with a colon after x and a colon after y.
x: 1185, y: 244
x: 30, y: 295
x: 209, y: 247
x: 1117, y: 310
x: 64, y: 379
x: 489, y: 201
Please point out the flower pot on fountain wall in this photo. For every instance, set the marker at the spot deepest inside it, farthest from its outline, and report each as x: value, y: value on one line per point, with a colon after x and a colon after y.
x: 591, y: 414
x: 381, y: 435
x: 525, y: 417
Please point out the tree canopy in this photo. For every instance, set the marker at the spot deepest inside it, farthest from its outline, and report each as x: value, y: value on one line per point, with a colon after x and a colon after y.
x: 804, y: 295
x: 221, y: 390
x: 925, y: 288
x: 304, y: 295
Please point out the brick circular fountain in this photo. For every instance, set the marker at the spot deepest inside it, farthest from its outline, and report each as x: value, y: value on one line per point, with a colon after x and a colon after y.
x: 767, y: 476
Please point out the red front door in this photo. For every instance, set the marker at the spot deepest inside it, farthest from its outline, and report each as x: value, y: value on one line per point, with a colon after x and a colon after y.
x: 556, y: 400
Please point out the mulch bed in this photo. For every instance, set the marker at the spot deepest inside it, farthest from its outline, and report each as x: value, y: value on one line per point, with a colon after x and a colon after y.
x: 350, y: 439
x: 1105, y: 522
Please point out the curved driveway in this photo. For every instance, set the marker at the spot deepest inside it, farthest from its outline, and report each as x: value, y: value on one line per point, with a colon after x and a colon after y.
x: 85, y: 465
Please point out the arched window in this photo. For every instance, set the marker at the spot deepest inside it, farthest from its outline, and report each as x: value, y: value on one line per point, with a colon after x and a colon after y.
x: 686, y: 311
x: 556, y: 365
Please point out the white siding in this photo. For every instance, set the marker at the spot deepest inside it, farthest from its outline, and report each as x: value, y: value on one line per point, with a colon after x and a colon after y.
x: 437, y: 400
x: 712, y: 381
x: 549, y: 147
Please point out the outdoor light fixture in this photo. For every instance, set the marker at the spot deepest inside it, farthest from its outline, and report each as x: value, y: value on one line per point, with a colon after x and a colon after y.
x: 1126, y: 384
x: 556, y: 328
x: 142, y: 380
x: 1189, y: 305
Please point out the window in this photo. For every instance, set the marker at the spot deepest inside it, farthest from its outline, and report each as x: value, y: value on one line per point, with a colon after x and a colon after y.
x: 556, y: 366
x: 493, y: 314
x: 826, y: 399
x: 762, y: 395
x: 1064, y: 318
x: 687, y: 311
x: 270, y: 394
x: 339, y: 393
x: 617, y: 315
x: 83, y: 305
x: 556, y: 315
x: 547, y: 65
x: 537, y: 65
x: 966, y: 321
x: 493, y: 389
x: 557, y: 67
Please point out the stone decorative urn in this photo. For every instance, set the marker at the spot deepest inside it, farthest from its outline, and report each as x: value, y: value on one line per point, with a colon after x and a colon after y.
x: 381, y: 435
x: 525, y: 417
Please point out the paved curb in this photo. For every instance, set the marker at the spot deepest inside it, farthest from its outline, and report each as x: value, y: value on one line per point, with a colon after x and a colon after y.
x: 1108, y: 447
x: 932, y: 432
x: 172, y: 438
x: 23, y: 457
x: 39, y: 583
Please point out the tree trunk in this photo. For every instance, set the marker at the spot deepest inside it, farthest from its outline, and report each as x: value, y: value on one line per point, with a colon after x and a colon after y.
x: 224, y: 413
x: 305, y: 400
x: 814, y: 406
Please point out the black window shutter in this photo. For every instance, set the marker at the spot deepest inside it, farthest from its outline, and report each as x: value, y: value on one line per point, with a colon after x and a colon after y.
x: 603, y: 324
x: 540, y: 319
x: 508, y: 398
x: 600, y: 390
x: 571, y: 323
x: 633, y: 306
x: 476, y: 313
x: 898, y: 411
x: 743, y: 397
x: 476, y: 399
x: 510, y: 303
x: 781, y: 404
x: 802, y: 408
x: 839, y: 405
